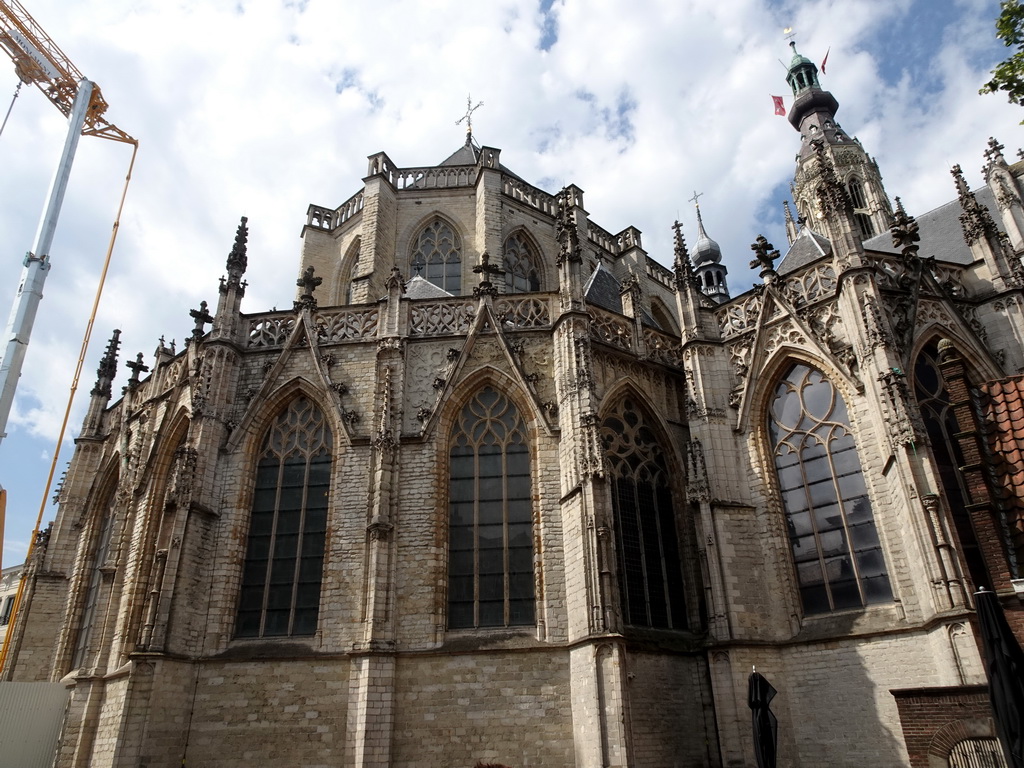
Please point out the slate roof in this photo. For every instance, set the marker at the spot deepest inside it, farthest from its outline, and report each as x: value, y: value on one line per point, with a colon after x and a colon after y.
x: 420, y: 288
x: 809, y: 246
x: 941, y: 233
x: 602, y: 290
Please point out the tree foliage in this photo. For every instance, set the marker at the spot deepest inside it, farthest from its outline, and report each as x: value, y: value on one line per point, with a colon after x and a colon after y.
x: 1009, y: 75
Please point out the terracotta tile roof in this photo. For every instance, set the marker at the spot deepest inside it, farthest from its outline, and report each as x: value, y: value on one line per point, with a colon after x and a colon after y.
x: 1002, y: 404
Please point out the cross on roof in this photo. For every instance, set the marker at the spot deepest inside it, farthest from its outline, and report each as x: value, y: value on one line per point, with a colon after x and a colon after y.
x: 695, y: 198
x: 468, y: 117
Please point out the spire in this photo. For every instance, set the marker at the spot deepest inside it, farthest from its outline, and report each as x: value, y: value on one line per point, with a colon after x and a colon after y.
x: 237, y: 259
x: 975, y: 219
x: 108, y: 367
x: 809, y: 98
x: 707, y: 261
x: 682, y: 265
x: 904, y: 232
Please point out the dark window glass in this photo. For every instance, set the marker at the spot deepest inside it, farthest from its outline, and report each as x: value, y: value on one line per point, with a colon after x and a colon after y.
x: 490, y: 522
x: 101, y: 551
x: 650, y: 569
x: 941, y: 425
x: 280, y: 592
x: 437, y: 256
x: 832, y: 534
x: 520, y: 265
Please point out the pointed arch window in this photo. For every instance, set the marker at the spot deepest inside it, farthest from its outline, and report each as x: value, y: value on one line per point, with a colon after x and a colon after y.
x: 520, y: 263
x: 941, y: 425
x: 280, y: 593
x: 437, y: 256
x: 490, y: 528
x: 835, y: 545
x: 650, y: 569
x: 100, y: 553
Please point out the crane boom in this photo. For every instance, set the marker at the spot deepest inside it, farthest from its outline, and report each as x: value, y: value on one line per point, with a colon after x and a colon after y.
x: 38, y: 60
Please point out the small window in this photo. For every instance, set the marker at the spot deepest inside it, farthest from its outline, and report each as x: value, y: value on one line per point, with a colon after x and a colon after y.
x: 520, y: 265
x: 437, y: 257
x: 836, y: 550
x: 5, y: 614
x: 280, y: 593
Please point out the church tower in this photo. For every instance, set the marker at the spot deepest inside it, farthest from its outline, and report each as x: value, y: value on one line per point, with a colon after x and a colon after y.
x: 708, y: 266
x: 814, y: 115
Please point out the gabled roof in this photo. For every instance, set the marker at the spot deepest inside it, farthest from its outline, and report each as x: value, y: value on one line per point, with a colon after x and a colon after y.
x: 941, y: 233
x: 808, y: 247
x: 419, y: 288
x: 603, y: 290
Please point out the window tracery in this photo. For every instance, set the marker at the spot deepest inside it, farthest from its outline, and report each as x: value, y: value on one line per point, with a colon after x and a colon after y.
x: 832, y: 534
x: 647, y: 542
x: 520, y: 263
x: 101, y: 551
x: 941, y: 425
x: 280, y: 592
x: 490, y: 530
x: 437, y: 256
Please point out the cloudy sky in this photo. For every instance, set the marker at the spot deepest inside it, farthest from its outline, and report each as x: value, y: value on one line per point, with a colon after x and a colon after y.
x: 258, y: 108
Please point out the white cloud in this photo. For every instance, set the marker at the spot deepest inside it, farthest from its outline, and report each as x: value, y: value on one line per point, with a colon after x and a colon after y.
x: 259, y: 108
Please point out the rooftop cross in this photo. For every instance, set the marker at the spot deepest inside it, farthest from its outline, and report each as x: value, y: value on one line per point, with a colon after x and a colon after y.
x: 468, y: 117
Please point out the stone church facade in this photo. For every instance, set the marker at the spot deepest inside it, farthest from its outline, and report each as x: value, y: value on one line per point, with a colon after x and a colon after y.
x: 502, y: 487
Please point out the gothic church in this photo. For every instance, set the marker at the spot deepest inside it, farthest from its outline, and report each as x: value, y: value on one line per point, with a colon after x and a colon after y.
x: 501, y: 487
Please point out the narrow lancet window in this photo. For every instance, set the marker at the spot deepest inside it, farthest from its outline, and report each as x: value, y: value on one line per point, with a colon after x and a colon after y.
x: 520, y: 265
x: 437, y: 256
x: 490, y: 528
x: 280, y: 592
x: 647, y: 542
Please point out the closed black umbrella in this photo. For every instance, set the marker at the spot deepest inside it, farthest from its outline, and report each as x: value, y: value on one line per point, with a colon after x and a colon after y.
x: 766, y: 728
x: 1004, y: 664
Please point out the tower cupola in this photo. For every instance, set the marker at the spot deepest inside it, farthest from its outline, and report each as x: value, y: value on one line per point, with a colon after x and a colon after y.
x: 707, y: 263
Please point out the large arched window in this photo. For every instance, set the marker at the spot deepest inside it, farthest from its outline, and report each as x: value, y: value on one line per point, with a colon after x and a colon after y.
x: 490, y: 529
x: 860, y: 208
x: 437, y: 256
x: 520, y: 266
x: 650, y: 570
x: 100, y: 553
x: 280, y: 592
x: 838, y: 556
x: 941, y: 425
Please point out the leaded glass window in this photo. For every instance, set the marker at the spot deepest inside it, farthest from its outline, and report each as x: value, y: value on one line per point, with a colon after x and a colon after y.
x: 490, y: 528
x: 941, y: 425
x: 520, y: 265
x: 437, y: 256
x: 647, y: 542
x: 100, y: 553
x: 280, y: 592
x: 835, y: 545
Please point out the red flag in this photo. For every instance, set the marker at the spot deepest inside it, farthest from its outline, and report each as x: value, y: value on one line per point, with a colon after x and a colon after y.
x: 780, y: 108
x: 823, y: 61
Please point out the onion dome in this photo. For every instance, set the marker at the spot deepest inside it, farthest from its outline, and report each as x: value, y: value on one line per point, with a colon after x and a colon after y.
x: 705, y: 250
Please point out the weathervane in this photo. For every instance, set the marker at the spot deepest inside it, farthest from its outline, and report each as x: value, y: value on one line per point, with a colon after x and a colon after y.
x: 468, y: 117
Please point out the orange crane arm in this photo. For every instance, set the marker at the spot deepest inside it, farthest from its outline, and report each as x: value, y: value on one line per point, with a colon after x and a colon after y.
x: 38, y: 60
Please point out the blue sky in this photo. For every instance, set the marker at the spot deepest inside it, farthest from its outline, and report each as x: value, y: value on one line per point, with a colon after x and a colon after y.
x: 260, y: 108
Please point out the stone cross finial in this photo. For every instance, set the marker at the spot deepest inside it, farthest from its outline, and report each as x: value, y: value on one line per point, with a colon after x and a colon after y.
x: 485, y: 269
x: 137, y: 367
x: 994, y: 153
x: 764, y: 256
x: 308, y: 282
x: 202, y: 317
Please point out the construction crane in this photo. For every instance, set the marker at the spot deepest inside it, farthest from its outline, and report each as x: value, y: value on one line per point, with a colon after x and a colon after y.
x: 38, y: 60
